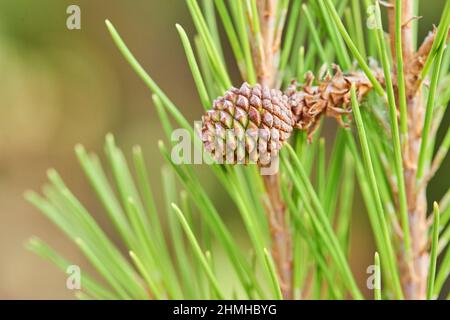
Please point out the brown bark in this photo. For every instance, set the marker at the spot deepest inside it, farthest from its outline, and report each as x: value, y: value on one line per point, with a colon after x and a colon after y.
x: 280, y: 234
x: 414, y: 269
x: 407, y: 35
x: 276, y: 211
x: 414, y: 276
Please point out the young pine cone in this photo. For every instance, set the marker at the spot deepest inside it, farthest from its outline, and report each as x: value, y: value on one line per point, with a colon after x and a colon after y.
x: 247, y: 125
x: 250, y: 124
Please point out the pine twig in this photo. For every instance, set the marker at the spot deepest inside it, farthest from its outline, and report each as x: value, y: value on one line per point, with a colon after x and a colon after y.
x: 281, y: 234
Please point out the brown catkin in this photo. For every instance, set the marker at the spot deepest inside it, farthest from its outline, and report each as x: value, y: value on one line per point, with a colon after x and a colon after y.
x: 251, y: 124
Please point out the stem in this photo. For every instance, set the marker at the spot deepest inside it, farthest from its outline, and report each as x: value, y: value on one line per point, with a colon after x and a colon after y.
x: 281, y: 236
x: 265, y: 63
x: 414, y: 268
x: 415, y: 281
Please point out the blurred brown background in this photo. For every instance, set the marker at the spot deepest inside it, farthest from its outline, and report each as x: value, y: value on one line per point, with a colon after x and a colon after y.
x: 59, y: 87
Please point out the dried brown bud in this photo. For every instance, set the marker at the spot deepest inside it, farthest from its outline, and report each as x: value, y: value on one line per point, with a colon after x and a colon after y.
x: 330, y: 97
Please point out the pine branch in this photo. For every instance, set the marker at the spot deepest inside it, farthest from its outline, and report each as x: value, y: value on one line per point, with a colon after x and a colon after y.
x: 297, y: 213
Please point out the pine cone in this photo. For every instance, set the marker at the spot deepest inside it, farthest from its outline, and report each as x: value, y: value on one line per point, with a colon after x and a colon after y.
x: 250, y: 124
x: 247, y: 125
x: 329, y: 97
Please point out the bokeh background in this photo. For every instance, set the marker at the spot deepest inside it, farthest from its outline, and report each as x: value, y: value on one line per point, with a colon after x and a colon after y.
x: 59, y: 87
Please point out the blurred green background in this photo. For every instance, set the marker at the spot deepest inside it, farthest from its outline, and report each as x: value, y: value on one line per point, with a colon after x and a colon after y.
x: 59, y: 87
